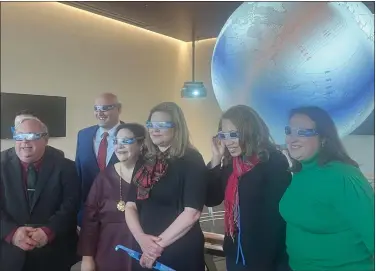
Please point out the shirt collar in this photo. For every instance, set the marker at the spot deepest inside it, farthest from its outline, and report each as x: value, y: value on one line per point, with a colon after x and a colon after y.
x: 111, y: 132
x: 37, y: 164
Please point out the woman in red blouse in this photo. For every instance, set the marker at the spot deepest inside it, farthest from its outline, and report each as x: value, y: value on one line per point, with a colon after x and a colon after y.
x: 104, y: 224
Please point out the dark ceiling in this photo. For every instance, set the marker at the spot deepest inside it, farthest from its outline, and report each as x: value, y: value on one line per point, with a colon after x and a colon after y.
x: 172, y: 18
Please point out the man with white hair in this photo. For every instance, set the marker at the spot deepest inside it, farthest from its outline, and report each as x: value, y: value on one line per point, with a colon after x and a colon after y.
x: 29, y: 114
x: 23, y: 114
x: 39, y: 201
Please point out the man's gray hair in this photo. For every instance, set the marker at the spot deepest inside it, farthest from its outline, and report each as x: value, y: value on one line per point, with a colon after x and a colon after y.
x: 44, y: 126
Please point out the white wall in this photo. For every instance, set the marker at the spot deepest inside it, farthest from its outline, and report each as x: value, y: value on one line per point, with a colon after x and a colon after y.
x: 202, y: 114
x: 361, y: 148
x: 49, y: 48
x: 52, y: 49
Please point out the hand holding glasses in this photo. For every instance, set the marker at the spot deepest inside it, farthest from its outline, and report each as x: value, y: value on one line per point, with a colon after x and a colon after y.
x: 218, y: 150
x: 136, y: 255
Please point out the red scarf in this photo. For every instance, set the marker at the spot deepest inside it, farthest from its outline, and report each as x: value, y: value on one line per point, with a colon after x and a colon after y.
x: 150, y: 173
x: 240, y: 167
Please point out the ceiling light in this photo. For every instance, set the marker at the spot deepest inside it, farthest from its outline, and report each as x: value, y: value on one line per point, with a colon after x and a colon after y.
x: 193, y: 89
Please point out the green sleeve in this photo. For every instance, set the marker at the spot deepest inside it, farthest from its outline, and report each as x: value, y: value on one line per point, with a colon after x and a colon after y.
x: 354, y: 200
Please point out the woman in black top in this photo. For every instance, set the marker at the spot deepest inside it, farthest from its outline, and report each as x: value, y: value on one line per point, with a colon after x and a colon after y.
x: 250, y: 175
x: 167, y: 195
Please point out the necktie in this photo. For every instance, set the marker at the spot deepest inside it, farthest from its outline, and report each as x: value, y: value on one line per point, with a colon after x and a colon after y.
x: 31, y: 183
x: 102, y: 152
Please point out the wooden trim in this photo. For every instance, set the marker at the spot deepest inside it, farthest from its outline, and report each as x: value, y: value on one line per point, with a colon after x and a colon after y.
x: 214, y: 236
x: 370, y: 176
x: 213, y: 247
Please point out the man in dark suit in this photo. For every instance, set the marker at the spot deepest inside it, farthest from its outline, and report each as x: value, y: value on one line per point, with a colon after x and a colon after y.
x: 95, y: 147
x: 39, y: 201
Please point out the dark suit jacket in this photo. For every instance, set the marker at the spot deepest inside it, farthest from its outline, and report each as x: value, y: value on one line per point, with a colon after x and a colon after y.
x: 263, y: 229
x: 86, y: 162
x: 55, y: 206
x: 58, y: 150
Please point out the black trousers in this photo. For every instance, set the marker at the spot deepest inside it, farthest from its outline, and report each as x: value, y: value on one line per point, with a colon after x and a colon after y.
x: 232, y: 266
x: 31, y: 264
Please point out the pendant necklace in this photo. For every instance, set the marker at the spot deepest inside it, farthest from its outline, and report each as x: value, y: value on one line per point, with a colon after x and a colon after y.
x: 121, y: 204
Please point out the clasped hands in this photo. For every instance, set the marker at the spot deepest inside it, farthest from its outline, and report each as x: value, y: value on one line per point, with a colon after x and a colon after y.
x: 28, y: 238
x: 152, y: 249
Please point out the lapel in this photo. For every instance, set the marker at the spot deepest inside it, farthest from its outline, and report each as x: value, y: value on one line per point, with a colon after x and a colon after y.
x: 44, y: 174
x: 16, y: 184
x: 89, y: 146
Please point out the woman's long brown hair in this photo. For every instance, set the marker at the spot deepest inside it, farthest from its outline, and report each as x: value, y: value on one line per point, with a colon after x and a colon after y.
x: 254, y: 136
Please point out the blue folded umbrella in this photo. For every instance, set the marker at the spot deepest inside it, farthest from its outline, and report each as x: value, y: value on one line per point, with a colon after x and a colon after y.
x: 137, y: 255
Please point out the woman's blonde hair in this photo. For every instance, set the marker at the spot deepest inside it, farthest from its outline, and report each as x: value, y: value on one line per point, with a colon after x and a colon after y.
x: 254, y: 136
x: 180, y: 141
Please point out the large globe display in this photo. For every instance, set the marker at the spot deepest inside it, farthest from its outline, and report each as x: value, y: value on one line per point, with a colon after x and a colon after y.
x: 274, y: 56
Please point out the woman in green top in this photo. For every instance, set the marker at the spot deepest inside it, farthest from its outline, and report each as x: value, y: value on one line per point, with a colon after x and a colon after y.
x: 329, y: 206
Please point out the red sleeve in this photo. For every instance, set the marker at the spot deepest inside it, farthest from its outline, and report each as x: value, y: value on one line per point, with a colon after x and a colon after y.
x: 50, y: 234
x: 9, y: 237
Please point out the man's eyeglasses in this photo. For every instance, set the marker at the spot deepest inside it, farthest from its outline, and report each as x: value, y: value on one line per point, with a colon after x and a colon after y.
x: 230, y: 135
x: 28, y: 136
x: 300, y: 132
x: 104, y: 108
x: 160, y: 124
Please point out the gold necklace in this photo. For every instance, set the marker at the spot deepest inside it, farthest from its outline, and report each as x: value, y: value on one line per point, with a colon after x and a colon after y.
x: 121, y: 204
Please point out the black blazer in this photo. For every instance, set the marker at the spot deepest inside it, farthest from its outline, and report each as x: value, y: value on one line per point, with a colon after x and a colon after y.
x: 263, y: 229
x: 56, y: 204
x: 59, y: 151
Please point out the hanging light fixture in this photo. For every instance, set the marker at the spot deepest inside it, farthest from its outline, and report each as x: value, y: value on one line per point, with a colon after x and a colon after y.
x: 193, y: 89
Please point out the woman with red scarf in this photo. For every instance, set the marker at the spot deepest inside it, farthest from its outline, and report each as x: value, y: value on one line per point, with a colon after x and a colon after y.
x: 167, y: 195
x: 250, y: 175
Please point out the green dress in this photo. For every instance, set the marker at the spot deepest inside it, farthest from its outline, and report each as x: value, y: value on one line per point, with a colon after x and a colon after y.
x: 330, y: 216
